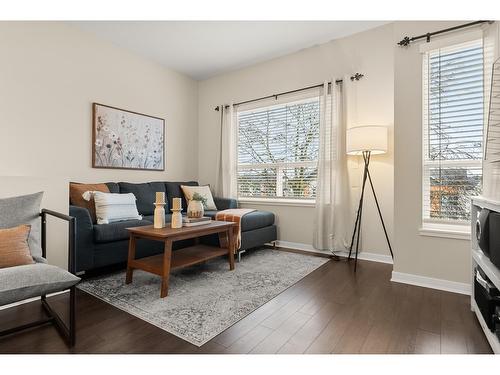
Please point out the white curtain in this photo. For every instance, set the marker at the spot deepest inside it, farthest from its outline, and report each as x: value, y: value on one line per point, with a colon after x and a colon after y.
x: 333, y: 216
x: 227, y: 163
x: 491, y: 52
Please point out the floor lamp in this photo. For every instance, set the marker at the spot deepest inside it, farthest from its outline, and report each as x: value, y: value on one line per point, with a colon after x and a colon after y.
x: 366, y: 141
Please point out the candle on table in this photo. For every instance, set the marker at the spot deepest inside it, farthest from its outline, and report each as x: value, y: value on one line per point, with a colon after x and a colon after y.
x: 177, y: 205
x: 160, y: 197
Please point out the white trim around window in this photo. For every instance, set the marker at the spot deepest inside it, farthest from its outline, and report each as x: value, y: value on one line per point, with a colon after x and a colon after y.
x: 445, y: 230
x: 278, y: 202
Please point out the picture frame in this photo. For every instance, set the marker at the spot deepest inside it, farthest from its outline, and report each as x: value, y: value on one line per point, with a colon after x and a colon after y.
x: 123, y: 139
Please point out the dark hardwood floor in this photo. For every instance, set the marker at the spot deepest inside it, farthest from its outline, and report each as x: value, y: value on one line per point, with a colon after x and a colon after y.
x: 332, y: 310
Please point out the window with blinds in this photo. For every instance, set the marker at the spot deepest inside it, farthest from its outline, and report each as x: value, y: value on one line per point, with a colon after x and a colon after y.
x: 452, y: 131
x: 278, y: 149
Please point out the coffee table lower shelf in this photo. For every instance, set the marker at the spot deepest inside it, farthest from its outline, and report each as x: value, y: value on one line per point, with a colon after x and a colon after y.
x: 161, y: 264
x: 185, y: 257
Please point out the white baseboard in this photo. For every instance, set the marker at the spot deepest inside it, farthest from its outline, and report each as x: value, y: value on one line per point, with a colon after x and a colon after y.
x: 30, y: 300
x: 398, y: 277
x: 430, y: 282
x: 298, y: 246
x: 373, y: 257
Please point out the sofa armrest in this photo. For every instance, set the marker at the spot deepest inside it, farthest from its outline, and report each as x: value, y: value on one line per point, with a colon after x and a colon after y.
x: 225, y: 203
x: 84, y: 239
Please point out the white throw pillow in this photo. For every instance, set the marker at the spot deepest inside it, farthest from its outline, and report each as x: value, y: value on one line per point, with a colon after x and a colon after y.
x: 110, y: 208
x: 204, y: 191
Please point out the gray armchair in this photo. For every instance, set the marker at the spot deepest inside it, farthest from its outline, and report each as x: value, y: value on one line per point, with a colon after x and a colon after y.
x: 40, y: 279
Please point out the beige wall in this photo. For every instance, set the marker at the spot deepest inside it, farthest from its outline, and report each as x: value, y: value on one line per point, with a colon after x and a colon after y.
x: 50, y: 73
x: 370, y: 53
x: 434, y: 257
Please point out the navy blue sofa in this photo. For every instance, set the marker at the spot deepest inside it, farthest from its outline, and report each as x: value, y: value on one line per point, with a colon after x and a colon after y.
x: 103, y: 245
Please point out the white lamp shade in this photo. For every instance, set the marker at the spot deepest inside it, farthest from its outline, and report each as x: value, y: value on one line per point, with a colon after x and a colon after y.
x: 371, y: 138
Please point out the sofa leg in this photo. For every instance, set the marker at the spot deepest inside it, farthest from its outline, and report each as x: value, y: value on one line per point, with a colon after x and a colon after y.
x: 239, y: 255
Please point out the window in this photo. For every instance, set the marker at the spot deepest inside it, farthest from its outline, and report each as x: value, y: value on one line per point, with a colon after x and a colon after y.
x: 452, y: 131
x: 278, y: 149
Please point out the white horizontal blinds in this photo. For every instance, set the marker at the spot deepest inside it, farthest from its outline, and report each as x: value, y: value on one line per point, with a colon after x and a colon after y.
x: 453, y: 130
x: 278, y: 147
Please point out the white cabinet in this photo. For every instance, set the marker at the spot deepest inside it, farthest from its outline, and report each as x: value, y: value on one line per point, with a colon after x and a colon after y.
x: 481, y: 260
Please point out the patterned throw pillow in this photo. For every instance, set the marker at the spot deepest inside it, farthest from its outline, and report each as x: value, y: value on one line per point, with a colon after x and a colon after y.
x: 110, y: 208
x: 14, y: 248
x: 204, y: 191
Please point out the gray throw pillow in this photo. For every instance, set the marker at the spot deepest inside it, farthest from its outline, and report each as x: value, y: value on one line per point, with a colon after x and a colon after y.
x: 24, y: 209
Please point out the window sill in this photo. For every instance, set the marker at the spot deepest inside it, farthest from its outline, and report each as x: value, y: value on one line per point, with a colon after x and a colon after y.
x: 278, y: 202
x: 457, y: 232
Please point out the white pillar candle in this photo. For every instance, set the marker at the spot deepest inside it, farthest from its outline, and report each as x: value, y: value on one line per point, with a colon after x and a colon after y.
x: 177, y: 205
x: 160, y: 197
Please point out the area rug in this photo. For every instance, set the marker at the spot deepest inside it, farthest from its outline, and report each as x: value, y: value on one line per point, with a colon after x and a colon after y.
x: 206, y: 299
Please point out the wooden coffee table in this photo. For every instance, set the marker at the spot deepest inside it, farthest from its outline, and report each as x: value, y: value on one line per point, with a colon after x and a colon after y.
x: 161, y: 264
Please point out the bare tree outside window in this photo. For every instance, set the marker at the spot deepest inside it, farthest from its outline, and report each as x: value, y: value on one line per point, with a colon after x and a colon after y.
x: 454, y: 126
x: 278, y: 150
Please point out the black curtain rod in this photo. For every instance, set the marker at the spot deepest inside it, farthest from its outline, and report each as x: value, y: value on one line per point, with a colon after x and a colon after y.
x: 405, y: 42
x: 355, y: 77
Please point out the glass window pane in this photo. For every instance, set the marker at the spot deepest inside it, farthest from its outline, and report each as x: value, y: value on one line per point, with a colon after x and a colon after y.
x: 278, y: 149
x: 453, y: 130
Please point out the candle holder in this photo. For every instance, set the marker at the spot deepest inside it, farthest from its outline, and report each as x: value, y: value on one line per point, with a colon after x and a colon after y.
x: 176, y: 218
x: 159, y: 215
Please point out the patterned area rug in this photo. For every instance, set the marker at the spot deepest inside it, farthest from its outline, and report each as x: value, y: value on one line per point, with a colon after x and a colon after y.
x: 206, y: 299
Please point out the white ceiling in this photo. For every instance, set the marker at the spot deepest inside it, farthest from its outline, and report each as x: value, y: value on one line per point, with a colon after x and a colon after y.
x: 203, y: 49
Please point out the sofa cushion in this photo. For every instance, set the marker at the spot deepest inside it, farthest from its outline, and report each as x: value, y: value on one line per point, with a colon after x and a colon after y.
x: 252, y: 220
x: 210, y: 213
x: 145, y: 194
x: 174, y: 191
x: 113, y: 187
x: 257, y: 220
x: 116, y: 231
x: 151, y: 218
x: 24, y: 209
x: 33, y: 280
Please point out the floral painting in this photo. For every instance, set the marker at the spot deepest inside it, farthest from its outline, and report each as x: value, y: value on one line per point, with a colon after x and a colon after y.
x: 127, y: 140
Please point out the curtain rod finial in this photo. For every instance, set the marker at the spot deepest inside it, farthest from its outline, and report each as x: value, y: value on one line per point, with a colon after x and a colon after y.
x: 357, y: 77
x: 405, y: 42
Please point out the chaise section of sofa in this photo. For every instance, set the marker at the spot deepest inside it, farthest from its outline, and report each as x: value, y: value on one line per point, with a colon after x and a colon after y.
x: 101, y: 245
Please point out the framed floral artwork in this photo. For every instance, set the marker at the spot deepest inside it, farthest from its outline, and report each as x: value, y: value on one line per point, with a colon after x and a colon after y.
x: 124, y: 139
